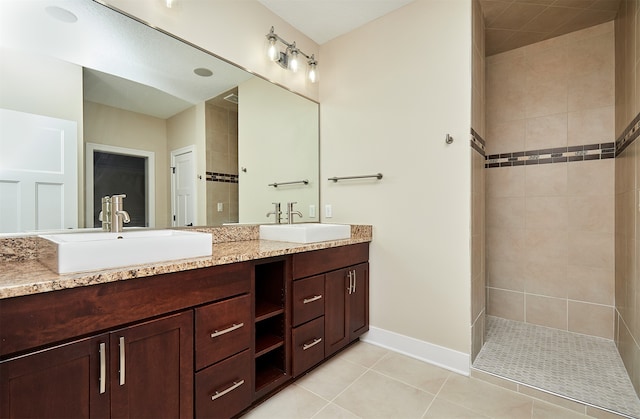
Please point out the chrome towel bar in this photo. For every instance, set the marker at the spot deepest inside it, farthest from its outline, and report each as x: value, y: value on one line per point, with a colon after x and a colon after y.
x: 275, y: 185
x: 336, y: 178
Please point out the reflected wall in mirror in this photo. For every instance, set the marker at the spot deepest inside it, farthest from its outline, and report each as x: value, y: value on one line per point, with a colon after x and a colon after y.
x: 127, y: 86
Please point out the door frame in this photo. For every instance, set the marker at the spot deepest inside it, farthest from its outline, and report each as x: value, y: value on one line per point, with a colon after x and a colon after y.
x: 174, y: 153
x: 150, y: 174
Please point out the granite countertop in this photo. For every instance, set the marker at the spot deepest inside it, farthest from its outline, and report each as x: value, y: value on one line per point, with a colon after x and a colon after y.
x: 26, y: 276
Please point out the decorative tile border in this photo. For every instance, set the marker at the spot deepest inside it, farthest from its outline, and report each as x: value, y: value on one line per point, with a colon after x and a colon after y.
x: 478, y: 143
x: 222, y: 177
x: 552, y: 155
x: 629, y: 135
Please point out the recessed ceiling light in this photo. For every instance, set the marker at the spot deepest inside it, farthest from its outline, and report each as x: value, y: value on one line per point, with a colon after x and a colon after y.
x: 61, y: 14
x: 203, y: 72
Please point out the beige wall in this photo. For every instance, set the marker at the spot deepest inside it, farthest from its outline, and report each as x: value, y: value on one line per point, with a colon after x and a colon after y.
x: 550, y: 241
x: 627, y: 180
x: 390, y: 92
x: 278, y: 142
x: 117, y: 127
x: 478, y: 278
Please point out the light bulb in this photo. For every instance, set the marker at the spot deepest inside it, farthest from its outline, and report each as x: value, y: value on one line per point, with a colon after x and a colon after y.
x: 294, y: 62
x: 272, y: 51
x: 313, y: 72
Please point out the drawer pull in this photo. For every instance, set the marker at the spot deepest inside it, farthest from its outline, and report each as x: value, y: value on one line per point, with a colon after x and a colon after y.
x: 235, y: 326
x: 234, y: 386
x: 311, y: 299
x: 312, y: 344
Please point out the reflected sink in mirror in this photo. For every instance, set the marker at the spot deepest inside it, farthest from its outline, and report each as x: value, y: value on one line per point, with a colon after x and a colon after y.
x: 76, y: 252
x: 305, y: 232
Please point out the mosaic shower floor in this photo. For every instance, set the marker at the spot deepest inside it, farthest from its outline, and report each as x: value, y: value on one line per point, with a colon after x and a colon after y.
x: 582, y: 368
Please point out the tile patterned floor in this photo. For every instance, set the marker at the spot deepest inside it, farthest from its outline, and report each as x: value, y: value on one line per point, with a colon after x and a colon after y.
x: 366, y: 381
x: 583, y: 368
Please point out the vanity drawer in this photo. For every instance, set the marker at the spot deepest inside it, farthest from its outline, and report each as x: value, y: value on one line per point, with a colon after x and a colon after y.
x: 319, y: 261
x: 308, y: 299
x: 222, y: 329
x: 308, y: 345
x: 225, y: 389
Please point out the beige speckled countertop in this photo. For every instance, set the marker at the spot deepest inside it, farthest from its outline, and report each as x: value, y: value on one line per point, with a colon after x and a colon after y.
x: 24, y: 275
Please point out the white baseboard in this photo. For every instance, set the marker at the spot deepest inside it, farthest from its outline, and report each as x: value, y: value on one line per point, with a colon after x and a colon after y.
x: 434, y: 354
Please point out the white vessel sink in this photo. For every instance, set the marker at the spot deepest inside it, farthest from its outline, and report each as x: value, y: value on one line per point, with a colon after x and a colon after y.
x: 305, y: 232
x: 76, y: 252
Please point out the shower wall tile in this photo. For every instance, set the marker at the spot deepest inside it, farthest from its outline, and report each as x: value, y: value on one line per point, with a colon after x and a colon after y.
x: 505, y: 304
x: 591, y: 213
x: 546, y: 132
x: 551, y: 226
x: 590, y: 126
x: 546, y: 180
x: 546, y: 311
x: 478, y: 184
x: 591, y: 249
x: 547, y: 212
x: 505, y: 213
x: 590, y: 284
x: 591, y: 178
x: 505, y: 181
x: 591, y: 319
x: 505, y: 136
x: 545, y: 280
x: 506, y: 274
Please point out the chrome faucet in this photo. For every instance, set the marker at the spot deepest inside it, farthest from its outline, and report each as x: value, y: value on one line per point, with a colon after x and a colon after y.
x: 291, y: 212
x: 113, y: 215
x: 118, y: 214
x: 277, y: 212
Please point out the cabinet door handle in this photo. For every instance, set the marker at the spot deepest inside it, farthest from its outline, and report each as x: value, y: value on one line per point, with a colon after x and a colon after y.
x: 235, y: 326
x: 311, y: 344
x: 103, y: 368
x: 122, y: 360
x: 350, y: 282
x: 233, y: 386
x: 355, y: 281
x: 311, y: 299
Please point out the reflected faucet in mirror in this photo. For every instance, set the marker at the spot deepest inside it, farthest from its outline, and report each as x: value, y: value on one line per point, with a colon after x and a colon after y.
x: 291, y: 212
x: 277, y: 212
x: 113, y: 214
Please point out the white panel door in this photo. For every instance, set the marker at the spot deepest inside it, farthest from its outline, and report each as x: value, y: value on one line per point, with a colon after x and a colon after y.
x: 38, y: 172
x: 183, y: 187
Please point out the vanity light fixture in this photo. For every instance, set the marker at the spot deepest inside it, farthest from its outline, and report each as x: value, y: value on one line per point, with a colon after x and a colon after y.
x: 290, y: 57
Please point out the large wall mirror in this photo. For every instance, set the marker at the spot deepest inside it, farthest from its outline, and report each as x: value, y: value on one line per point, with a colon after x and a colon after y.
x: 95, y: 103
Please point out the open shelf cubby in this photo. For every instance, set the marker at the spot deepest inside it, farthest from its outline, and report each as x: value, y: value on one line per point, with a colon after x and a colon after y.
x: 270, y: 325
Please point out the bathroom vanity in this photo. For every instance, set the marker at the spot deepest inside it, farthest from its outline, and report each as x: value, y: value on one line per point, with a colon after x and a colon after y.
x: 206, y: 338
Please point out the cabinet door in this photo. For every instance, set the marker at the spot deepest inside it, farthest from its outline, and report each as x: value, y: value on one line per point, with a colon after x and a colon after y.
x: 358, y: 306
x: 152, y: 369
x: 335, y: 311
x: 60, y: 382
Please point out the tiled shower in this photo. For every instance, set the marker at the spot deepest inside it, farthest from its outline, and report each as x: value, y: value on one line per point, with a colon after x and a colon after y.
x: 561, y: 195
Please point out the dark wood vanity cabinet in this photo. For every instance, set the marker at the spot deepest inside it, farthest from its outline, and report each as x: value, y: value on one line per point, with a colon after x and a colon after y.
x: 139, y: 357
x: 330, y: 302
x: 347, y: 306
x: 203, y: 343
x: 144, y: 370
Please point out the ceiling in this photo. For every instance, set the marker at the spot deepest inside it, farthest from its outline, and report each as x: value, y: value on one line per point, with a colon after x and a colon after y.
x: 323, y: 20
x: 509, y: 24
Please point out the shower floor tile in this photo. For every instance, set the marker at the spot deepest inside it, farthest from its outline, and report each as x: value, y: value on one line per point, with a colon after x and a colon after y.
x: 583, y: 368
